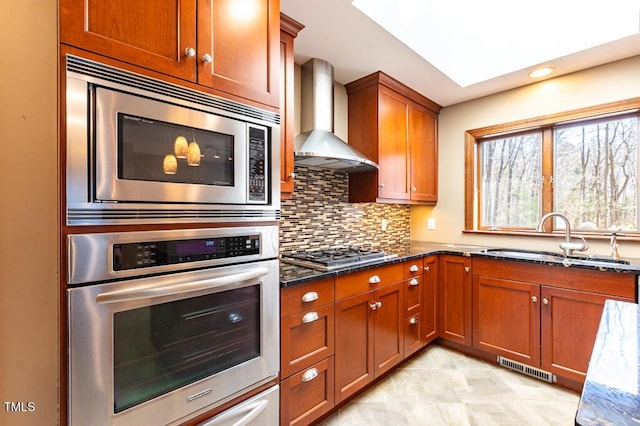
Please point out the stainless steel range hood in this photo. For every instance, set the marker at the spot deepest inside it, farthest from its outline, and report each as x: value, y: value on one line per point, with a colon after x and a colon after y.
x: 317, y: 146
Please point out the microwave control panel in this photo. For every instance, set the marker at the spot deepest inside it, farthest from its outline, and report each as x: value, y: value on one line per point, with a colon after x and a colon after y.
x: 158, y: 253
x: 257, y: 165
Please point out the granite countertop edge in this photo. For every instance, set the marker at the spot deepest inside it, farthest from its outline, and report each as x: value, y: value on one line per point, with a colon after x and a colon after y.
x: 291, y: 275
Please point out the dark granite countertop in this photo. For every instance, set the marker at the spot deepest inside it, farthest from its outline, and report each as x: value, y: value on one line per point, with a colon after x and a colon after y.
x: 292, y: 275
x: 611, y: 393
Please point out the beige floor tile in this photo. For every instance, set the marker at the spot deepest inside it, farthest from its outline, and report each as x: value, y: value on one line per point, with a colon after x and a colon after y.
x: 444, y: 387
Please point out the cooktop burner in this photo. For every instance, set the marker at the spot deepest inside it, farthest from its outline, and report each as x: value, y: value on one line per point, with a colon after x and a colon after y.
x: 333, y: 258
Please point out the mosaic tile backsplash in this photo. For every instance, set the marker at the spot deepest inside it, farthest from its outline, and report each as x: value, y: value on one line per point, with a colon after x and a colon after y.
x: 320, y: 216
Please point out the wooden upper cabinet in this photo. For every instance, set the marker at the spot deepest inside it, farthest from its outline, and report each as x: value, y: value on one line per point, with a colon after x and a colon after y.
x: 242, y: 40
x: 397, y: 128
x: 154, y: 36
x: 289, y: 29
x: 214, y: 44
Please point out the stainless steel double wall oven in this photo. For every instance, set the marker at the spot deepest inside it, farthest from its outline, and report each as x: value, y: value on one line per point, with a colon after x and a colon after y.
x: 168, y: 322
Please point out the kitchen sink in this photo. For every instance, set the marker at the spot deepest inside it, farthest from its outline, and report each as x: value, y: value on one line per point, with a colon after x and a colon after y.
x: 545, y: 256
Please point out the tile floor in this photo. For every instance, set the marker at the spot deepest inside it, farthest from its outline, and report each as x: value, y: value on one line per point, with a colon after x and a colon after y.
x: 444, y: 387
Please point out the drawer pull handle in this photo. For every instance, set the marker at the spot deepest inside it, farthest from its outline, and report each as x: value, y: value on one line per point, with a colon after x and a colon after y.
x: 414, y: 282
x: 310, y: 317
x: 414, y: 268
x: 310, y: 374
x: 414, y: 321
x: 309, y: 297
x: 374, y: 279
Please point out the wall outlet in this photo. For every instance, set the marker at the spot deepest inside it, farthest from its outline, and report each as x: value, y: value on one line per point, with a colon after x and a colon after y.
x: 431, y: 223
x: 383, y: 225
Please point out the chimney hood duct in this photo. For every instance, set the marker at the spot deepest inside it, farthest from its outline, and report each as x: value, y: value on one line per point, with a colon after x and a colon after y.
x: 317, y: 146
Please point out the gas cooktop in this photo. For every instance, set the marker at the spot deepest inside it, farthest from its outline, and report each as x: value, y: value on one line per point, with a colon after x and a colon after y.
x: 334, y: 258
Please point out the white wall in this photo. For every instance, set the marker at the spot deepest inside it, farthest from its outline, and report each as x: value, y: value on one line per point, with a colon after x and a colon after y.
x: 29, y: 287
x: 607, y: 83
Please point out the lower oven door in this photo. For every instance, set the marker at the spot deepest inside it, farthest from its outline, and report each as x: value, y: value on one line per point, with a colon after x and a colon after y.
x: 156, y: 349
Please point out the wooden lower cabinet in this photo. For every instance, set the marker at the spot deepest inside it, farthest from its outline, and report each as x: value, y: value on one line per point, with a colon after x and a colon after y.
x: 369, y: 332
x: 569, y: 324
x: 454, y: 298
x: 522, y: 312
x: 307, y: 395
x: 306, y: 352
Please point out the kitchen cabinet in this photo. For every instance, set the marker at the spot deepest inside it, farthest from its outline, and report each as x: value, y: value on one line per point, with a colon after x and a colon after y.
x: 413, y: 306
x: 307, y: 351
x: 369, y: 314
x: 228, y: 46
x: 543, y: 316
x: 397, y: 128
x: 429, y: 328
x: 289, y: 29
x: 454, y: 298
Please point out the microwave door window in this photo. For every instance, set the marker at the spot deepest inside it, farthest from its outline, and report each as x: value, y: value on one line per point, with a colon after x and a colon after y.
x: 157, y: 151
x: 164, y: 347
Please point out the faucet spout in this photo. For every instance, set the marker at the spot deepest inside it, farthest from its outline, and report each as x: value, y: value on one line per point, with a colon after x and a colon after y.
x: 567, y: 245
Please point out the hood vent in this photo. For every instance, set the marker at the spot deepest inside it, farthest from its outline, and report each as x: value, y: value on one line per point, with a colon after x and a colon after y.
x: 317, y: 146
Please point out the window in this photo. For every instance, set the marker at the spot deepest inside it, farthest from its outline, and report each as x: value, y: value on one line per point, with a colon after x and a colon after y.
x: 584, y: 164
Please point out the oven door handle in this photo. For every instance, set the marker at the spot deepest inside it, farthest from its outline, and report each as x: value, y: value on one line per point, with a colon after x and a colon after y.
x: 177, y: 289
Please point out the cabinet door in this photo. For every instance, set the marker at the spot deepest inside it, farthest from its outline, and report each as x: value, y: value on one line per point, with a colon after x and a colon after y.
x: 569, y: 325
x: 286, y: 114
x: 353, y: 344
x: 242, y: 41
x: 423, y: 153
x: 429, y: 328
x: 393, y: 146
x: 454, y: 299
x: 506, y: 318
x: 150, y: 35
x: 388, y: 328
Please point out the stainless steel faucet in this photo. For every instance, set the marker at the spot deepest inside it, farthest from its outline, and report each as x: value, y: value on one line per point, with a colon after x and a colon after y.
x: 614, y: 245
x: 567, y: 245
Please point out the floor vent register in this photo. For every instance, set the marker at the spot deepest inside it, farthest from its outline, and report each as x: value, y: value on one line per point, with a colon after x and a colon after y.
x: 525, y: 369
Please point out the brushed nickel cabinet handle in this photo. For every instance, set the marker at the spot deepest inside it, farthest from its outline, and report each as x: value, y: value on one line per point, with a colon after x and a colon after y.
x: 374, y: 279
x: 545, y: 301
x: 414, y: 282
x: 310, y: 374
x: 309, y: 297
x: 414, y: 268
x: 373, y: 306
x: 310, y: 317
x: 379, y: 305
x: 189, y: 52
x: 414, y: 320
x: 534, y: 299
x: 427, y: 268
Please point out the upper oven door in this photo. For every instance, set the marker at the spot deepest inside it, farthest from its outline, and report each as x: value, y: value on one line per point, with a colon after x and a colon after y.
x: 151, y: 151
x: 153, y: 350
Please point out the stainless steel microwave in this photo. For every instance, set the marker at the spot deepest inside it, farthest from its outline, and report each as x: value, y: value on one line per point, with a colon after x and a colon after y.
x: 141, y: 150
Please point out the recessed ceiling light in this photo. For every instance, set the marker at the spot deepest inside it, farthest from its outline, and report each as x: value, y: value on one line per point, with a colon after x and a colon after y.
x: 541, y: 72
x: 473, y: 41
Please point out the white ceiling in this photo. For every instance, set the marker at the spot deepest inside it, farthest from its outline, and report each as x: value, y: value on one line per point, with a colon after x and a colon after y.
x: 356, y: 46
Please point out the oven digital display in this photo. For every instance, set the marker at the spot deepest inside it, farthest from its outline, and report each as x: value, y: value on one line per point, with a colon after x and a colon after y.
x: 159, y: 253
x: 195, y: 247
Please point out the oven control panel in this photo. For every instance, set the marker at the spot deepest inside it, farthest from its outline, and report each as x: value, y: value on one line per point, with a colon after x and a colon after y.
x: 169, y: 252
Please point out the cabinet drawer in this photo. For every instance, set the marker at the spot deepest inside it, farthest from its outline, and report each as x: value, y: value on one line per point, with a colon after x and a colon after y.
x: 308, y: 394
x: 306, y: 296
x: 412, y: 295
x: 306, y: 338
x: 412, y: 333
x: 363, y: 281
x: 413, y: 268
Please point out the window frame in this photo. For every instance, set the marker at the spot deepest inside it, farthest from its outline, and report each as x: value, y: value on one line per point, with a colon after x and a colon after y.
x: 545, y: 124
